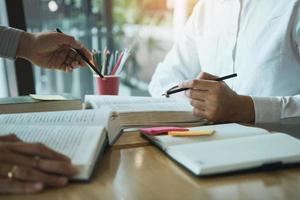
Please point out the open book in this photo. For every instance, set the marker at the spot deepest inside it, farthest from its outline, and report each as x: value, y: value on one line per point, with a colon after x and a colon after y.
x: 233, y: 147
x: 77, y: 134
x: 129, y: 112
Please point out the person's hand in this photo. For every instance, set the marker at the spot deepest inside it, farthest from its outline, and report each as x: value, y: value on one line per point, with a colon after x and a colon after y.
x: 216, y: 102
x: 31, y: 167
x: 52, y: 50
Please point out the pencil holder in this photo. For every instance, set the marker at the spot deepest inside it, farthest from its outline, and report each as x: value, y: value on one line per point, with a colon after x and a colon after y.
x: 109, y: 85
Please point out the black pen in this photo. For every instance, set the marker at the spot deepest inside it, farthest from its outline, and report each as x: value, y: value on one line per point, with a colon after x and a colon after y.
x: 83, y: 57
x: 173, y: 90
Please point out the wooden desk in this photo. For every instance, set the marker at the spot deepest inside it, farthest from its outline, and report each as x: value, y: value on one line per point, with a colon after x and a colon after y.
x: 146, y: 173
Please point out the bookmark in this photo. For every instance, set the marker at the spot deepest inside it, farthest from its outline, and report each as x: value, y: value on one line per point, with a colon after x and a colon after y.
x: 161, y: 130
x: 190, y: 133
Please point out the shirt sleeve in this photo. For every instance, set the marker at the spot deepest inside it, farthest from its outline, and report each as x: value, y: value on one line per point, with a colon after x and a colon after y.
x: 280, y: 109
x: 9, y: 41
x: 180, y: 62
x: 296, y: 30
x: 277, y: 109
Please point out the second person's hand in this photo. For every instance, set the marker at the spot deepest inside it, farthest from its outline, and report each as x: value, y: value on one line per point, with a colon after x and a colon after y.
x: 52, y: 50
x: 31, y: 167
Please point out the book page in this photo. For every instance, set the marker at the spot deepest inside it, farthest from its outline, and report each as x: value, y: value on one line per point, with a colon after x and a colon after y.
x: 222, y: 131
x: 77, y: 142
x: 149, y: 107
x: 137, y: 104
x: 63, y: 118
x: 48, y: 97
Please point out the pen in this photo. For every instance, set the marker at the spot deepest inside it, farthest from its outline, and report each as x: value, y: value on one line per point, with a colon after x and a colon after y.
x: 111, y: 62
x: 106, y: 63
x: 83, y: 57
x: 173, y: 90
x: 123, y: 61
x: 116, y: 67
x: 116, y: 58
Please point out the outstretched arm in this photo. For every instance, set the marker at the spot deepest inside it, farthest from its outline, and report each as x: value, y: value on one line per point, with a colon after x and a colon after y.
x: 48, y: 49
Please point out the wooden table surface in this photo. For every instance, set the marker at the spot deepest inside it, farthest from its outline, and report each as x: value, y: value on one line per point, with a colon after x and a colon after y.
x: 140, y: 171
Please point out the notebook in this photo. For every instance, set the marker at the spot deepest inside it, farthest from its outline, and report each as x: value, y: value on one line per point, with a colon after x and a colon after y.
x: 81, y: 135
x: 233, y: 147
x: 130, y: 112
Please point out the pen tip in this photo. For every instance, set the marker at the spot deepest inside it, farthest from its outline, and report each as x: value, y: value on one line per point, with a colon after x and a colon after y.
x: 58, y: 30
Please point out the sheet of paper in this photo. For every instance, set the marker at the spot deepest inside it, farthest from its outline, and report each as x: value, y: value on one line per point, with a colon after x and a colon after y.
x: 137, y: 104
x: 82, y: 117
x: 111, y: 100
x: 77, y: 142
x: 48, y: 97
x: 151, y: 107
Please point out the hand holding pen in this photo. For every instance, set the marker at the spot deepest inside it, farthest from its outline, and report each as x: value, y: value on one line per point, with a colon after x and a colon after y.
x: 215, y: 101
x: 51, y: 50
x: 178, y: 88
x: 82, y: 55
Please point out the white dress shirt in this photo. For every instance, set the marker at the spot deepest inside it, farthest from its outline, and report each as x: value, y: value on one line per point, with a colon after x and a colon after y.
x: 257, y: 39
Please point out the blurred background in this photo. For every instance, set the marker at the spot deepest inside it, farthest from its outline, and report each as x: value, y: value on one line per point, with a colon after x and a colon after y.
x: 148, y: 27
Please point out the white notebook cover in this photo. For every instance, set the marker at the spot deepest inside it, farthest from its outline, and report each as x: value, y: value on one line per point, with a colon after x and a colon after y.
x: 222, y: 156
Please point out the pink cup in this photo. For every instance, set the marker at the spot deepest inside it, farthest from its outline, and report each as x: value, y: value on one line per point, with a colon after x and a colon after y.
x: 109, y: 85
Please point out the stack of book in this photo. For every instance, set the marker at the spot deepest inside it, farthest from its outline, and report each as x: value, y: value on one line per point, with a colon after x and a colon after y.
x: 39, y: 103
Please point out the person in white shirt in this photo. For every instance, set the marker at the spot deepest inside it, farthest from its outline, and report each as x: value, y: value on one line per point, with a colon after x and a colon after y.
x: 258, y: 40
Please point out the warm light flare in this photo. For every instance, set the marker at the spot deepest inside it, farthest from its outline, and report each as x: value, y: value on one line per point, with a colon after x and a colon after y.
x: 52, y: 5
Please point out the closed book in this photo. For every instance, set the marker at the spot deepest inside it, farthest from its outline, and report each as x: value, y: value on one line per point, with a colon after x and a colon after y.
x: 24, y: 104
